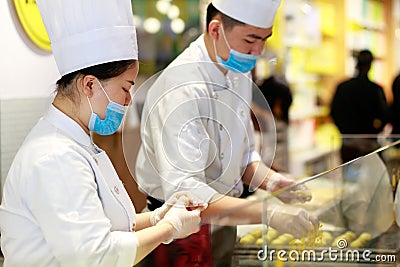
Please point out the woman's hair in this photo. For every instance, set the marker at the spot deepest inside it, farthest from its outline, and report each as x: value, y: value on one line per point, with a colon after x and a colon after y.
x: 102, y: 72
x: 228, y: 22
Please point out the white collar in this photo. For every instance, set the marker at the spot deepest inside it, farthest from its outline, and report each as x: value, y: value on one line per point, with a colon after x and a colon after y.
x: 215, y: 74
x: 68, y: 126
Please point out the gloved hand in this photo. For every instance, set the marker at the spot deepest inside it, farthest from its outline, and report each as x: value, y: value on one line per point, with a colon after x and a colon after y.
x: 299, y: 193
x: 159, y: 213
x: 191, y: 202
x: 183, y: 221
x: 290, y: 219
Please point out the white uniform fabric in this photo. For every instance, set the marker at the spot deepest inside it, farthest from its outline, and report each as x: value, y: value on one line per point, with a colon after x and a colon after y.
x: 88, y: 33
x: 367, y: 196
x: 196, y: 129
x: 366, y: 200
x: 258, y: 13
x: 63, y: 203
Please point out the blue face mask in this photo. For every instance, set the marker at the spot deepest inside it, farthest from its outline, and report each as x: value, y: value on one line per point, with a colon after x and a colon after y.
x: 237, y: 62
x: 114, y: 116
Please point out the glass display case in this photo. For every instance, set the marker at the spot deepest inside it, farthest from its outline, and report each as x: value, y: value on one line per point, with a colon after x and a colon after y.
x: 356, y: 207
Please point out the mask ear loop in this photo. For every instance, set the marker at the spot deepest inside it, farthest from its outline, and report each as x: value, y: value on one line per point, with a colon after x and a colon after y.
x: 91, y: 109
x: 102, y: 88
x: 90, y: 132
x: 223, y: 34
x: 215, y: 49
x: 226, y: 41
x: 90, y: 105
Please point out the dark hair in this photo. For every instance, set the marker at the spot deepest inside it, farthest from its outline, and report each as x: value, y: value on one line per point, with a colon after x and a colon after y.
x: 364, y: 58
x: 102, y: 72
x: 227, y: 21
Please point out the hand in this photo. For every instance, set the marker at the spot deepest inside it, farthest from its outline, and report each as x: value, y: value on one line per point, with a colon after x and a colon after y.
x: 293, y: 220
x: 185, y: 222
x: 299, y: 193
x: 191, y: 202
x: 159, y: 213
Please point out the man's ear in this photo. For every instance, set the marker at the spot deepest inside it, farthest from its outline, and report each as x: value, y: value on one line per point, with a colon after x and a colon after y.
x: 87, y: 84
x: 213, y: 29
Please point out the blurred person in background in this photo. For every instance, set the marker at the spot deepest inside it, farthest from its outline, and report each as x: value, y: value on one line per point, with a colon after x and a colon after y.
x: 395, y: 107
x: 272, y: 96
x: 359, y: 108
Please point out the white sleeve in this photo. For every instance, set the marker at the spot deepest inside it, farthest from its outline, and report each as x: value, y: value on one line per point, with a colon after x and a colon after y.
x: 250, y: 154
x: 181, y: 142
x: 62, y: 196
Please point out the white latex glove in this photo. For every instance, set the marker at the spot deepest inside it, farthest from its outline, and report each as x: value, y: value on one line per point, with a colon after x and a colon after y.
x: 299, y: 193
x: 185, y: 222
x: 290, y: 219
x: 191, y: 202
x: 159, y: 213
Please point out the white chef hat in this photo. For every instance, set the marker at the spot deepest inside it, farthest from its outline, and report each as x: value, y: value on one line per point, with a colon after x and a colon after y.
x: 85, y: 33
x: 258, y: 13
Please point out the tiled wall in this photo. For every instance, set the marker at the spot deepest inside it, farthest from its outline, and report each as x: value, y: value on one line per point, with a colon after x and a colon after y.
x: 17, y: 117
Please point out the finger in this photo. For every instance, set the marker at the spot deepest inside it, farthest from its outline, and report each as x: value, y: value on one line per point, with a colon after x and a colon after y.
x: 195, y: 212
x: 315, y: 221
x: 172, y: 201
x: 203, y: 206
x: 287, y: 197
x: 300, y: 195
x: 181, y: 201
x: 298, y: 230
x: 306, y: 223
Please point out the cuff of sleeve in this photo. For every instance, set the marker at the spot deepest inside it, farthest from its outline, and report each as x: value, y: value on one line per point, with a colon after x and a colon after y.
x: 251, y: 156
x: 128, y: 244
x: 204, y: 193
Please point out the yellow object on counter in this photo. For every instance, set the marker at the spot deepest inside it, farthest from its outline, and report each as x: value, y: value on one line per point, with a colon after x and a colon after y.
x: 247, y: 240
x: 270, y: 235
x: 361, y: 241
x: 257, y: 233
x: 283, y: 239
x: 349, y: 236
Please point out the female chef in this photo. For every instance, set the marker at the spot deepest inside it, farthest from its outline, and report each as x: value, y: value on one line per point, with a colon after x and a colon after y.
x: 63, y: 203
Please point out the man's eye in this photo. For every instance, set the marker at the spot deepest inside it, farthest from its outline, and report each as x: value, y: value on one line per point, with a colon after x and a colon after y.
x: 249, y: 42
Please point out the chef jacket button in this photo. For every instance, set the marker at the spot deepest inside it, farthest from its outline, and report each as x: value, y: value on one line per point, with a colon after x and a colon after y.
x: 221, y: 155
x: 241, y: 112
x: 95, y: 160
x: 216, y: 96
x: 235, y: 82
x: 221, y: 127
x: 228, y: 83
x: 116, y: 189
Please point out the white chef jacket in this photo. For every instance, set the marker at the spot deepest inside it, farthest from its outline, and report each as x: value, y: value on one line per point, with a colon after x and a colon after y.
x: 367, y: 201
x: 60, y: 206
x: 196, y: 129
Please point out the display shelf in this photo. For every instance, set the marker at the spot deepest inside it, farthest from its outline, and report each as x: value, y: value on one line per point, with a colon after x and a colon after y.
x: 369, y: 25
x: 351, y: 202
